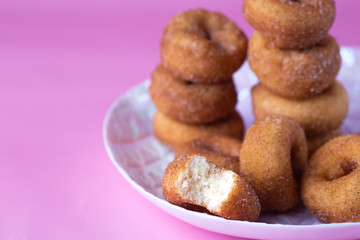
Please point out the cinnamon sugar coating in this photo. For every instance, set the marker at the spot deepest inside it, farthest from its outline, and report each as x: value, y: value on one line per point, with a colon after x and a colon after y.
x: 202, y: 46
x: 291, y: 24
x: 298, y: 73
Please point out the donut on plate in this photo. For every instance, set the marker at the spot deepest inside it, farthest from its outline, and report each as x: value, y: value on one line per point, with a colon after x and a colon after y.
x: 331, y: 181
x: 202, y: 46
x: 189, y: 102
x: 294, y: 73
x: 317, y: 115
x: 172, y: 132
x: 193, y: 180
x: 316, y: 142
x: 221, y: 150
x: 272, y: 158
x: 293, y: 24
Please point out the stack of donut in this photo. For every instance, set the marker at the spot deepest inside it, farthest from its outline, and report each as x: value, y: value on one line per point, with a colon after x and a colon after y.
x: 192, y: 88
x: 296, y: 62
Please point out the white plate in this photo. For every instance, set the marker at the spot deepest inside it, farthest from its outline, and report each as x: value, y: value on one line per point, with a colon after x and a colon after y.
x: 141, y: 159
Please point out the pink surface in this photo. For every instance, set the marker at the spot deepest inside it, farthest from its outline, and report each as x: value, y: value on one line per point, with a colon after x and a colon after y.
x: 62, y: 64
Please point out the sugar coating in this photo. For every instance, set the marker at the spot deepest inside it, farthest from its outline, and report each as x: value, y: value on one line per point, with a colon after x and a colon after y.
x: 191, y: 102
x: 317, y: 115
x: 202, y: 46
x: 294, y: 74
x: 330, y: 187
x: 291, y: 24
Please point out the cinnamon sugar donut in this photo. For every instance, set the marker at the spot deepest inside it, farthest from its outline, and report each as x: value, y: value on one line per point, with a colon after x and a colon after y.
x: 316, y: 142
x: 221, y: 150
x: 193, y: 180
x: 202, y: 46
x: 317, y: 115
x: 294, y: 73
x: 330, y: 186
x: 189, y: 102
x: 291, y: 24
x: 172, y: 132
x: 272, y: 158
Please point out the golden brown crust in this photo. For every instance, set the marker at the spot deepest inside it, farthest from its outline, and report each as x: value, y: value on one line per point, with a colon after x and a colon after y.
x: 291, y: 24
x: 172, y: 132
x: 191, y: 102
x: 330, y: 186
x: 241, y: 204
x: 221, y: 150
x: 202, y: 46
x: 316, y: 142
x: 317, y: 115
x: 272, y: 157
x: 295, y: 74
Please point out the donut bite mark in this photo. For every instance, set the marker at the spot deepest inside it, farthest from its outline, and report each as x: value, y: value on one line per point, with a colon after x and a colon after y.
x: 331, y: 181
x: 202, y: 46
x: 192, y: 179
x: 291, y: 24
x: 272, y: 158
x: 221, y: 150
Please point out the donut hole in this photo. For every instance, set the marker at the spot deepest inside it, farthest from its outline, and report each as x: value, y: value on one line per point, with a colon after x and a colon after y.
x: 205, y: 185
x: 346, y: 167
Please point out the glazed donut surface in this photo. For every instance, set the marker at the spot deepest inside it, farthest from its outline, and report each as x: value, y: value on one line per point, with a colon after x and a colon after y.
x: 272, y: 158
x: 317, y: 115
x: 202, y: 46
x: 189, y: 102
x: 291, y: 24
x: 330, y: 186
x: 294, y: 74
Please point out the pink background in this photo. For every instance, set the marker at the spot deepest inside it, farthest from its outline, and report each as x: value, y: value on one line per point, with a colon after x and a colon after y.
x: 62, y: 63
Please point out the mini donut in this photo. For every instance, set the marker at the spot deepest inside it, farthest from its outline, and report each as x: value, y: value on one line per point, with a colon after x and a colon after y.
x: 291, y: 24
x: 272, y: 158
x: 316, y: 142
x: 330, y: 187
x: 221, y: 150
x: 190, y: 102
x: 294, y: 73
x: 317, y: 115
x: 202, y: 46
x: 172, y: 132
x: 193, y: 180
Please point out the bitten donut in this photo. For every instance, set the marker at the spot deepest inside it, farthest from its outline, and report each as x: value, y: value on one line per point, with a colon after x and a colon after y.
x: 202, y: 46
x: 192, y: 179
x: 221, y: 150
x: 189, y: 102
x: 272, y: 158
x: 173, y: 132
x: 330, y: 186
x: 317, y: 115
x: 294, y: 73
x: 291, y: 24
x: 316, y: 142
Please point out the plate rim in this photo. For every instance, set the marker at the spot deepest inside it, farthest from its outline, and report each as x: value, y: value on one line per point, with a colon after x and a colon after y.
x: 161, y: 202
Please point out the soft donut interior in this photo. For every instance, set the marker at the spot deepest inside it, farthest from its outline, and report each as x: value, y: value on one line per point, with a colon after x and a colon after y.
x: 205, y: 184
